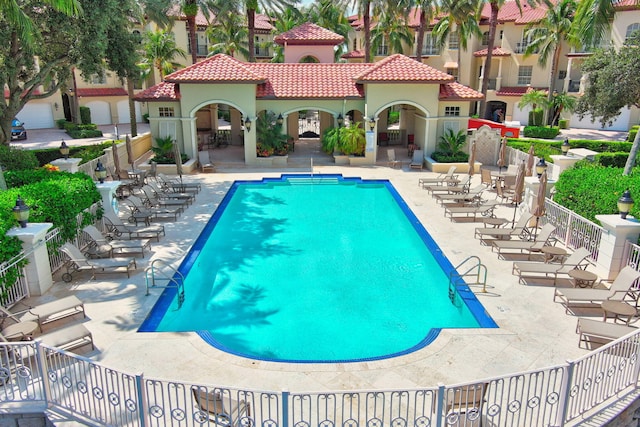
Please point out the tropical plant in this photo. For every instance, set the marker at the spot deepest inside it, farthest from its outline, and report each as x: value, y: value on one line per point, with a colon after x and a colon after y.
x: 561, y: 102
x: 163, y: 148
x: 229, y: 35
x: 391, y: 30
x: 425, y: 9
x: 548, y: 35
x: 452, y: 142
x: 461, y: 18
x: 270, y: 139
x: 535, y: 99
x: 330, y: 140
x: 160, y: 50
x: 352, y: 140
x: 332, y: 16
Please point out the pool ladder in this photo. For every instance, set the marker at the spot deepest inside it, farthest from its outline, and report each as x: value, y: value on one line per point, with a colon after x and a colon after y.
x: 159, y: 270
x: 474, y: 268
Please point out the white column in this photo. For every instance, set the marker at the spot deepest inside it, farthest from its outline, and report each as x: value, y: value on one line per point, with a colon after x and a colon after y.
x: 499, y: 78
x: 567, y: 79
x: 611, y: 251
x: 39, y: 278
x: 68, y: 165
x: 108, y: 194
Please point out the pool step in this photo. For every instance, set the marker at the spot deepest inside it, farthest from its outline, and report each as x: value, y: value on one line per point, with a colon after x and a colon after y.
x: 316, y: 180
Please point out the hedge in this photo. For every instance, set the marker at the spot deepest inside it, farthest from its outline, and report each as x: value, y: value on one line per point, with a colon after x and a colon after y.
x: 86, y: 153
x: 541, y: 132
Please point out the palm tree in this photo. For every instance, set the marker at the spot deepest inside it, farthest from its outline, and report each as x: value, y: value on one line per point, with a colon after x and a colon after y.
x: 160, y: 49
x: 229, y: 35
x: 534, y: 98
x: 461, y: 17
x: 391, y: 30
x: 17, y: 18
x: 283, y: 22
x: 547, y: 36
x: 251, y: 7
x: 331, y: 16
x: 425, y: 8
x: 593, y: 20
x: 190, y: 8
x: 494, y: 6
x: 560, y: 102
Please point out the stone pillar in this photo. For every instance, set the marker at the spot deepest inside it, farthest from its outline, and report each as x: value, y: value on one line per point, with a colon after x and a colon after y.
x: 611, y: 251
x: 69, y: 165
x: 563, y: 163
x: 39, y: 278
x: 108, y: 194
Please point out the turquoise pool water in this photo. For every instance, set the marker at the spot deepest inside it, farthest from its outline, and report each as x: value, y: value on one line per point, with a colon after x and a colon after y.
x: 321, y: 269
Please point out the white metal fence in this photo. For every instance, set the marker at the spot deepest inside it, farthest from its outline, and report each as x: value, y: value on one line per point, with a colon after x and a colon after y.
x: 561, y: 395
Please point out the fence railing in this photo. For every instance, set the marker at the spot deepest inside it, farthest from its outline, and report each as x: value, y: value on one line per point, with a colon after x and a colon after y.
x: 15, y: 273
x: 77, y: 386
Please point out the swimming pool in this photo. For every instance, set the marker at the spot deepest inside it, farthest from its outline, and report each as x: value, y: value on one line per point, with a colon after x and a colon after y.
x: 316, y: 269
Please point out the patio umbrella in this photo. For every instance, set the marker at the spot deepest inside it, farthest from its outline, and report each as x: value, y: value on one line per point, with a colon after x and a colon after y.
x: 519, y: 189
x: 130, y: 158
x: 116, y: 159
x: 472, y: 158
x: 503, y: 154
x: 530, y: 161
x: 178, y: 160
x: 540, y: 209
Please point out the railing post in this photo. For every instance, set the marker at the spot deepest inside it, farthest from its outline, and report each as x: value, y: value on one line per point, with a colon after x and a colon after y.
x: 143, y: 410
x: 285, y: 408
x: 563, y: 407
x: 439, y: 405
x: 42, y: 371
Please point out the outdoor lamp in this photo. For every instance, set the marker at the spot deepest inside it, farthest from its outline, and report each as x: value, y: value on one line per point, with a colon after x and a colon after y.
x: 101, y: 172
x: 280, y: 119
x: 372, y: 123
x: 21, y: 212
x: 541, y: 167
x: 625, y: 203
x: 64, y: 150
x: 247, y: 124
x: 565, y: 147
x: 340, y: 120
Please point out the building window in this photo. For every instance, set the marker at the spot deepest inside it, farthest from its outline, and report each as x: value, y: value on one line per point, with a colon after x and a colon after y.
x: 524, y: 74
x: 485, y: 38
x: 453, y: 41
x: 383, y: 49
x: 430, y: 46
x: 630, y: 30
x: 452, y: 111
x: 98, y: 79
x: 166, y: 112
x: 453, y: 72
x: 562, y: 74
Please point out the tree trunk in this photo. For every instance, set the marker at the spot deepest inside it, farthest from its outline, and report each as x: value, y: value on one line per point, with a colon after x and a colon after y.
x: 493, y: 23
x: 631, y: 160
x: 191, y: 23
x: 251, y: 26
x: 132, y: 108
x: 420, y: 41
x: 366, y: 19
x: 552, y: 73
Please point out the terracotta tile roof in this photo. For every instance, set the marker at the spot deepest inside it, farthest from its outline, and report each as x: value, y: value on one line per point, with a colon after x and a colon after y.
x: 311, y: 81
x: 509, y: 12
x: 497, y: 51
x: 400, y: 68
x: 309, y: 34
x: 159, y: 92
x: 353, y: 54
x: 262, y: 22
x: 457, y: 92
x: 516, y: 90
x: 108, y: 91
x: 218, y: 68
x: 530, y: 15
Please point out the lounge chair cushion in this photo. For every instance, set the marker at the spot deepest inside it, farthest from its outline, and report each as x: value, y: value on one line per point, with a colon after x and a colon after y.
x: 592, y: 330
x: 54, y: 310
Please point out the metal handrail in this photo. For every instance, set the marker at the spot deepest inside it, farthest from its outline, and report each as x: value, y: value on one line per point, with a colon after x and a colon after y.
x: 175, y: 279
x: 480, y: 272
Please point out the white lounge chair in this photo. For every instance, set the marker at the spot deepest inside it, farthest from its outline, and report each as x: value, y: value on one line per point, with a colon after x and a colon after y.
x: 176, y: 184
x: 472, y: 196
x: 593, y: 331
x: 452, y: 187
x: 67, y: 338
x: 538, y: 270
x: 116, y: 227
x: 418, y: 160
x: 624, y: 286
x: 220, y: 408
x: 121, y: 247
x: 471, y: 212
x: 78, y: 262
x: 205, y: 162
x: 518, y: 246
x: 442, y: 179
x: 49, y: 312
x: 506, y: 233
x: 138, y: 209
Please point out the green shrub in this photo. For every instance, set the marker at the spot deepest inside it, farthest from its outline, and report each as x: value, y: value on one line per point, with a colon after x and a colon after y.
x: 85, y: 115
x: 536, y: 116
x: 615, y: 160
x: 85, y: 152
x: 445, y: 157
x: 632, y: 133
x: 145, y: 117
x: 590, y: 189
x: 60, y: 123
x: 15, y: 159
x: 394, y: 117
x: 541, y: 132
x: 563, y: 123
x: 88, y: 133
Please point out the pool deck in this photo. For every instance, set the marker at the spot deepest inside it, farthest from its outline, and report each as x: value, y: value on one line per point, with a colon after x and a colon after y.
x: 534, y: 331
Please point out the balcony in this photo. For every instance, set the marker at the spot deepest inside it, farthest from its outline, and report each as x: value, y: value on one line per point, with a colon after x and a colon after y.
x: 521, y: 47
x: 263, y: 52
x: 430, y: 50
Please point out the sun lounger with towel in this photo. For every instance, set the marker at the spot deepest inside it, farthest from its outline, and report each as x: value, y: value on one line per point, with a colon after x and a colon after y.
x: 120, y: 247
x: 625, y: 285
x: 530, y: 269
x: 115, y: 226
x: 78, y: 262
x: 484, y: 209
x: 418, y: 159
x: 519, y: 246
x: 599, y: 332
x: 505, y: 233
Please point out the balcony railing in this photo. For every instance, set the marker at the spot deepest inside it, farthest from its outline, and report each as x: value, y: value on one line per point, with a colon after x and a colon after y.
x: 262, y: 51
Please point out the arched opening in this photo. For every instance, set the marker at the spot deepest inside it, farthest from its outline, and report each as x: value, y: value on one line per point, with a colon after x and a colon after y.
x: 220, y: 130
x: 309, y: 60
